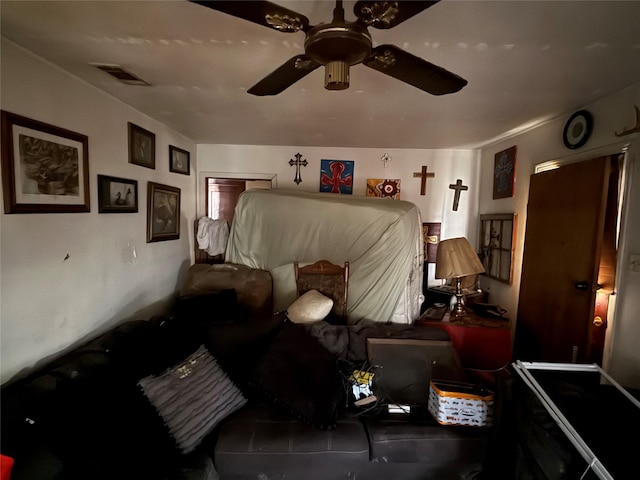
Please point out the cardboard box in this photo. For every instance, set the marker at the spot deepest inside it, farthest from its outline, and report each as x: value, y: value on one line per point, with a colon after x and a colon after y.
x: 453, y: 403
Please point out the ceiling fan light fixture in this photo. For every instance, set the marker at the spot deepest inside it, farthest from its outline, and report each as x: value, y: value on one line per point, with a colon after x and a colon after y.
x: 336, y: 75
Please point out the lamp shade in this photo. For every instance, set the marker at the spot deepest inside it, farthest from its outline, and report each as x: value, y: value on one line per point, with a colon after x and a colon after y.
x: 456, y: 258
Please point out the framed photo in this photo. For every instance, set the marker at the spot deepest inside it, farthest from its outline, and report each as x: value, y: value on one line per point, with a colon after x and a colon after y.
x: 142, y: 146
x: 179, y: 160
x: 384, y: 188
x: 431, y: 238
x: 45, y: 169
x: 504, y: 173
x: 336, y: 176
x: 163, y: 212
x: 117, y: 195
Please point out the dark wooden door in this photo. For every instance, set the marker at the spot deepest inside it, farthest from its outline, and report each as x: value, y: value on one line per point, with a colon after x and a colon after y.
x: 223, y: 196
x: 563, y: 239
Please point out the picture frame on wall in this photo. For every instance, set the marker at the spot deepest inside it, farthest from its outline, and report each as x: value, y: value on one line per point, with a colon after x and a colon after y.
x: 336, y: 176
x: 179, y: 160
x: 45, y: 169
x: 142, y: 146
x: 504, y: 173
x: 163, y: 212
x: 117, y: 195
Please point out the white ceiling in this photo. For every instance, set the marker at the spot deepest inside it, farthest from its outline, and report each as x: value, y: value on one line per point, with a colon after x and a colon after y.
x: 526, y: 62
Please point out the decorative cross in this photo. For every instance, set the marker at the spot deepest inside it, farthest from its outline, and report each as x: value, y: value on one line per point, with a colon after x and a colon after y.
x: 458, y: 187
x: 297, y: 162
x: 386, y: 158
x: 423, y: 175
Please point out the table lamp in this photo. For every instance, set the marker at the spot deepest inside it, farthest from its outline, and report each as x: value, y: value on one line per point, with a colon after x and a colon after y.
x: 456, y: 258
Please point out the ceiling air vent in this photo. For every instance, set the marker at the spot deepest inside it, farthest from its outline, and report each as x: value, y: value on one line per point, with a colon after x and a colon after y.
x: 121, y: 74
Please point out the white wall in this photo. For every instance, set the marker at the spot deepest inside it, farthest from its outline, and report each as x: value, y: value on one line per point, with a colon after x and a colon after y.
x: 435, y: 206
x: 46, y: 302
x: 544, y: 143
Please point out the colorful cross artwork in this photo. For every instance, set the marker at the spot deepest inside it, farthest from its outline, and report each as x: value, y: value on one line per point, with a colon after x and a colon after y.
x: 336, y: 176
x: 383, y: 187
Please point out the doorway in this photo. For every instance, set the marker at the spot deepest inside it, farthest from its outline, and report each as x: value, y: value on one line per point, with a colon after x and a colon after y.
x: 221, y: 197
x: 569, y: 260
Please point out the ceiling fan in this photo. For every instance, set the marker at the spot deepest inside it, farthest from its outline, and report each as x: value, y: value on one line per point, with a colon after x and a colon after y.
x: 339, y: 44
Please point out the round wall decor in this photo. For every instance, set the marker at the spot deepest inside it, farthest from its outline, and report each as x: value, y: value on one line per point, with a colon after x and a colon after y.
x: 578, y: 129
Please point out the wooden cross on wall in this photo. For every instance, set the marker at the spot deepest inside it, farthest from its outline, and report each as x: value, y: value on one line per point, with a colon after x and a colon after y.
x: 423, y: 175
x: 458, y: 187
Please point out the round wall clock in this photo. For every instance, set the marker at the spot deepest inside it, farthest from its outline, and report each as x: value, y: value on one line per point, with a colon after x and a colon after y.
x: 578, y: 129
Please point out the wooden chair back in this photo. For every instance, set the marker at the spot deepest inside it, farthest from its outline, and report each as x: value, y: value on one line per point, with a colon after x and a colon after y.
x: 329, y: 279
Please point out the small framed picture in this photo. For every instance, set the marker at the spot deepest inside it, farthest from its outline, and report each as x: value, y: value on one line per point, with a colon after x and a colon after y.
x: 179, y: 160
x: 163, y: 212
x: 504, y: 173
x: 45, y: 169
x: 117, y: 195
x: 142, y: 146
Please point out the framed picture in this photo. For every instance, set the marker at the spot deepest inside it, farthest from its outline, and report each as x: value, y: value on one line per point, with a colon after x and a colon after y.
x: 504, y: 173
x: 45, y: 169
x: 117, y: 195
x: 431, y: 238
x: 163, y: 212
x: 179, y: 160
x: 383, y: 187
x: 497, y: 233
x: 142, y: 146
x: 336, y: 176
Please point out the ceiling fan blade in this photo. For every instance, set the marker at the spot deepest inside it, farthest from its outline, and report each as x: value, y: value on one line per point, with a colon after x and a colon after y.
x: 388, y: 14
x: 413, y: 70
x: 284, y: 76
x: 263, y: 13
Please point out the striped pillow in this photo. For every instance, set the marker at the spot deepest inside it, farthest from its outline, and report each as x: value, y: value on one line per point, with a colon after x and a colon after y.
x: 192, y: 398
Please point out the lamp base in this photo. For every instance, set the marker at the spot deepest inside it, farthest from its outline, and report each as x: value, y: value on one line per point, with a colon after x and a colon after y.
x: 458, y: 309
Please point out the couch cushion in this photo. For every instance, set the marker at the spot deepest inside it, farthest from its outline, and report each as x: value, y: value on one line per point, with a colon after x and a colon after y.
x: 258, y: 441
x: 192, y: 398
x: 253, y: 286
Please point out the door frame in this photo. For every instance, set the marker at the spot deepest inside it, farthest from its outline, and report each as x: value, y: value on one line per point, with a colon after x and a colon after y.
x: 630, y: 149
x: 201, y: 186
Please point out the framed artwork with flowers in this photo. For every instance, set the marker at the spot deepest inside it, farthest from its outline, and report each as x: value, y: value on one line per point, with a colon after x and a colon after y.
x: 504, y: 173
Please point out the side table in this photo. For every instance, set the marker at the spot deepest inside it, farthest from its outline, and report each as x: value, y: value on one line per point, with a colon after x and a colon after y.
x: 481, y: 343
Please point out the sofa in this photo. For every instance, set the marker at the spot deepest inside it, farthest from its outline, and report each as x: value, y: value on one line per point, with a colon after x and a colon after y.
x: 222, y: 387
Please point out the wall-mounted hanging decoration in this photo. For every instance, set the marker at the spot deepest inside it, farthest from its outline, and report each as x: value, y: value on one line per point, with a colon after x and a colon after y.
x: 179, y: 160
x: 142, y: 146
x: 631, y: 130
x: 423, y: 175
x: 163, y: 212
x: 577, y: 130
x: 45, y: 169
x: 496, y: 245
x: 431, y: 236
x: 117, y: 195
x: 336, y: 176
x: 458, y: 187
x: 386, y: 158
x: 297, y: 162
x: 383, y: 187
x: 504, y: 173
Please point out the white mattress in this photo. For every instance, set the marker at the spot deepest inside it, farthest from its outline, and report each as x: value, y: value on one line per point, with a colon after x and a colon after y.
x: 379, y: 237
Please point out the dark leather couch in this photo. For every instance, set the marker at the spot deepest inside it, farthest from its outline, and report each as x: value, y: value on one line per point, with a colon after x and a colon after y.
x: 84, y: 416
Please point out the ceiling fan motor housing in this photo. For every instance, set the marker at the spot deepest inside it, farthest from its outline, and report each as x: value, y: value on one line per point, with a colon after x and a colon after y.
x: 337, y: 46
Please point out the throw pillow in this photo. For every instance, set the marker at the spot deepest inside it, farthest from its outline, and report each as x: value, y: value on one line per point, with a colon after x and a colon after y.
x: 312, y: 306
x: 301, y: 376
x: 192, y: 398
